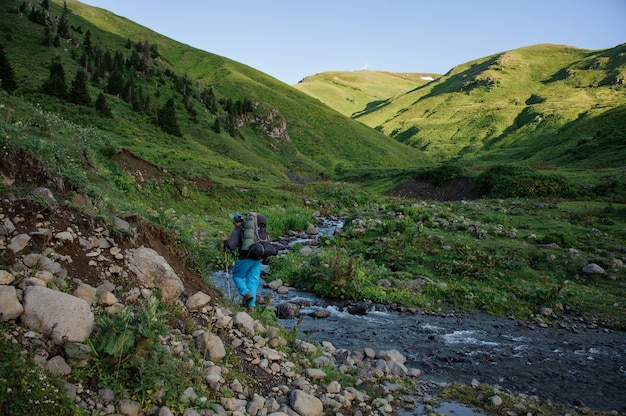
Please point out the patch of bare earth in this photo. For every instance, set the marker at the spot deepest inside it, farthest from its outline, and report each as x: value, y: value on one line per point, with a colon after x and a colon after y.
x: 453, y: 190
x: 23, y: 170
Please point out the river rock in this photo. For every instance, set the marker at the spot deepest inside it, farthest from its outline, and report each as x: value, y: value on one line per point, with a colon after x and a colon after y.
x: 320, y: 314
x: 287, y: 310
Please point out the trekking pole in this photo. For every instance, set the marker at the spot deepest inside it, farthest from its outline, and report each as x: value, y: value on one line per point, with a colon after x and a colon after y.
x: 230, y: 299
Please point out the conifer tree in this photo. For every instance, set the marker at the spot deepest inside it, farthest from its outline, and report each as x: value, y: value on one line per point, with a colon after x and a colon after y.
x: 7, y: 76
x: 87, y: 44
x: 230, y: 125
x: 63, y: 29
x: 78, y: 92
x: 115, y: 85
x: 46, y: 40
x: 167, y: 119
x: 102, y: 107
x: 55, y: 84
x: 216, y: 126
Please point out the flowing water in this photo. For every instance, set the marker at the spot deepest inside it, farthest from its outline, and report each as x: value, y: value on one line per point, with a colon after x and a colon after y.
x: 579, y: 365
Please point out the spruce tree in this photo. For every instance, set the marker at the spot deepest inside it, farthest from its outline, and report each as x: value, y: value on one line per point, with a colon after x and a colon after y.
x: 102, y: 107
x: 46, y: 40
x: 7, y: 76
x: 63, y: 29
x: 167, y: 119
x: 55, y: 84
x: 87, y: 44
x: 78, y: 92
x: 115, y: 85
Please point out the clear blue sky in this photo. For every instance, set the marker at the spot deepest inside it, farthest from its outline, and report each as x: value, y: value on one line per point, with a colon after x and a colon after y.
x: 291, y: 39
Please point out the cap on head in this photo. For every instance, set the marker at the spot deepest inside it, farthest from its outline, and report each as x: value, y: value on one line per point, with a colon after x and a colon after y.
x: 238, y: 217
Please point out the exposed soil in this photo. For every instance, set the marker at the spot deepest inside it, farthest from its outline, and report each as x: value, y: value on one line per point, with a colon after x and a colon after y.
x: 22, y: 169
x: 453, y: 190
x: 143, y: 170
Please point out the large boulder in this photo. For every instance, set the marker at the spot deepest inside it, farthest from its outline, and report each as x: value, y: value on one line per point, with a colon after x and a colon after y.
x: 64, y: 317
x: 154, y: 272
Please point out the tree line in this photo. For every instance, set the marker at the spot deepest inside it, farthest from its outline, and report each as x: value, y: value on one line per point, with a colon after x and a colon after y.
x: 119, y: 74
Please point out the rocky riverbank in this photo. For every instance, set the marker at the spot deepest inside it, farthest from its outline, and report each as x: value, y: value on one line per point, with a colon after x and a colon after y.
x: 62, y: 269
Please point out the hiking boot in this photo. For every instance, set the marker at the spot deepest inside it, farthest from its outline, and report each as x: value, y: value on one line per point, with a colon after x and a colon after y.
x: 250, y: 309
x: 247, y: 298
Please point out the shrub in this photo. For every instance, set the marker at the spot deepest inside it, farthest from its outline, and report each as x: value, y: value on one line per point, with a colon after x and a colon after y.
x: 508, y: 181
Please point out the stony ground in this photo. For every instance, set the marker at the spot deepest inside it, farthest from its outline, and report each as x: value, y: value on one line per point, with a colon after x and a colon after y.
x: 70, y: 211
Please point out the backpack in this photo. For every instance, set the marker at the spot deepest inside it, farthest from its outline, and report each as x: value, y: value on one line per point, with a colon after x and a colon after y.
x: 256, y: 244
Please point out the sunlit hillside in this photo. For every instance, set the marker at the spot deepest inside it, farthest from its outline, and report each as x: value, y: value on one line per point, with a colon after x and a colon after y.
x: 353, y: 92
x: 548, y: 104
x: 235, y: 122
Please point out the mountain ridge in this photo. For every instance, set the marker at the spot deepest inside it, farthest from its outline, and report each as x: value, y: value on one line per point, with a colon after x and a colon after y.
x: 478, y: 106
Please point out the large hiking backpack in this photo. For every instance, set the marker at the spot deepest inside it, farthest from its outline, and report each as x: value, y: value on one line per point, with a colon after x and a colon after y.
x: 256, y: 244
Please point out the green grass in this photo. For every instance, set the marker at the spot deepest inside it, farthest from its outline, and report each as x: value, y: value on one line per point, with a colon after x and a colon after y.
x: 315, y: 138
x: 540, y: 104
x: 354, y: 92
x: 490, y: 255
x: 520, y: 122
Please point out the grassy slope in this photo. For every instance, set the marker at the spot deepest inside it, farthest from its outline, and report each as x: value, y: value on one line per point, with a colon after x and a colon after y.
x: 320, y: 137
x: 483, y: 111
x: 353, y: 92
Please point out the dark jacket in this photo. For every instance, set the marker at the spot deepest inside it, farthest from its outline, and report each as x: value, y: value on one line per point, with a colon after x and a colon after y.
x: 235, y: 240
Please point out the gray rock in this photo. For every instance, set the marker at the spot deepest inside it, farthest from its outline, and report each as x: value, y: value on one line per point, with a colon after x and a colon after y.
x: 19, y: 243
x: 592, y: 269
x: 305, y: 404
x: 10, y: 306
x: 210, y: 346
x: 197, y: 301
x: 154, y: 272
x: 64, y: 317
x: 47, y: 195
x: 6, y: 277
x: 57, y: 366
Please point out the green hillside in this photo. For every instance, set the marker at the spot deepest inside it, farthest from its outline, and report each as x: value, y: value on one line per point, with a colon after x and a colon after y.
x: 352, y: 92
x: 266, y: 128
x: 546, y: 104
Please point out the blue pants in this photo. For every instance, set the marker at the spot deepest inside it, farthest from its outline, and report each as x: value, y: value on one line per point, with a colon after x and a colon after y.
x: 246, y: 275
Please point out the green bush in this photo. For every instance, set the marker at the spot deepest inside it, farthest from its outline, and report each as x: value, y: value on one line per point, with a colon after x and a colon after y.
x: 509, y: 181
x: 442, y: 173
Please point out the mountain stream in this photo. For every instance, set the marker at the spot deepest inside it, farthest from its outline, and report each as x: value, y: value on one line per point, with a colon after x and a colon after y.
x: 577, y: 363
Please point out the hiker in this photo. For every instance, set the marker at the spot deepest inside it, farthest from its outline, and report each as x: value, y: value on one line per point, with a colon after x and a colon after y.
x: 247, y: 271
